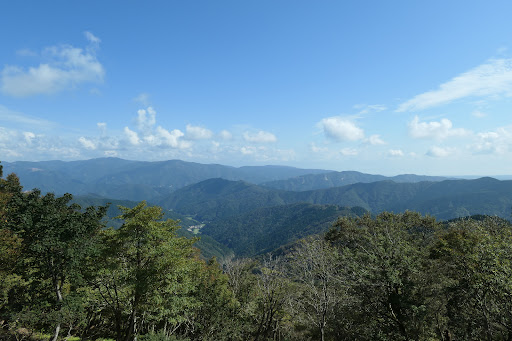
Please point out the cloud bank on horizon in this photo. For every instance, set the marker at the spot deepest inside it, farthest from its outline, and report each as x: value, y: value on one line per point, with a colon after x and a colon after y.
x: 458, y: 127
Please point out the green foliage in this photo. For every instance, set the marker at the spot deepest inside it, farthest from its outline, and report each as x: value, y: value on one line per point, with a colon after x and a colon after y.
x: 44, y: 243
x: 265, y: 229
x: 477, y: 263
x: 386, y: 267
x: 145, y: 269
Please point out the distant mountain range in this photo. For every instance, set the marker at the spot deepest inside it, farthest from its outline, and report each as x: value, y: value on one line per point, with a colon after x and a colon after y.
x: 252, y: 210
x: 337, y: 179
x: 135, y: 180
x: 139, y: 180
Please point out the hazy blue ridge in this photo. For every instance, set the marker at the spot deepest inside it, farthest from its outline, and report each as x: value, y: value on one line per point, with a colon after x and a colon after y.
x: 337, y: 179
x: 135, y: 180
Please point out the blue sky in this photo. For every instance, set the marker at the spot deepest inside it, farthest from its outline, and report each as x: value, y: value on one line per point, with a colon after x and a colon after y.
x: 384, y: 87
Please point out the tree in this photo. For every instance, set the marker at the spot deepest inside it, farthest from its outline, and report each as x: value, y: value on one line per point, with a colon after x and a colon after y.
x: 272, y: 294
x: 386, y: 261
x: 146, y: 273
x: 315, y: 266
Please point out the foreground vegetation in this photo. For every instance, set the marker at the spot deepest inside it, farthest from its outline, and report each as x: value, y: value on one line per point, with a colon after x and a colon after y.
x: 389, y: 277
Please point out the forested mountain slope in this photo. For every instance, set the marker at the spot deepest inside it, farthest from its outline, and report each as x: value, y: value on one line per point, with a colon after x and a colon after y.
x: 217, y: 198
x: 266, y: 229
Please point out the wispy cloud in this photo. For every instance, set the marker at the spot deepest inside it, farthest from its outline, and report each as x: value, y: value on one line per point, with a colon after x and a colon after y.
x: 478, y: 114
x: 142, y: 98
x: 225, y: 135
x: 316, y: 149
x: 65, y: 67
x: 259, y: 137
x: 375, y: 140
x: 491, y: 78
x: 369, y: 108
x: 10, y: 116
x: 349, y: 152
x: 436, y: 151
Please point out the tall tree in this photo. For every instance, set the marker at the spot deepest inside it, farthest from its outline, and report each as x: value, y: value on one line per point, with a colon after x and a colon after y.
x: 145, y: 262
x: 315, y: 265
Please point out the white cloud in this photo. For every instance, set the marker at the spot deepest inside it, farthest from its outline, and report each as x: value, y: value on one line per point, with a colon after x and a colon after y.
x: 259, y: 137
x: 436, y: 151
x: 248, y: 150
x: 172, y: 138
x: 24, y: 144
x: 349, y: 152
x: 148, y: 136
x: 491, y: 78
x: 65, y: 67
x: 341, y: 129
x: 87, y: 143
x: 132, y: 136
x: 198, y: 133
x: 146, y: 118
x: 375, y: 140
x: 29, y: 136
x: 395, y: 153
x: 494, y: 142
x: 434, y: 130
x: 225, y: 135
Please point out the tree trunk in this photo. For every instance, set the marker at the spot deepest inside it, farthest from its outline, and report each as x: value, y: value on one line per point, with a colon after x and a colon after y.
x: 56, y: 286
x: 56, y: 333
x: 133, y: 318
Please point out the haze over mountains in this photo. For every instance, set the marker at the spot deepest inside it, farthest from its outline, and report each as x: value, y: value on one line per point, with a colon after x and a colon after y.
x: 257, y: 209
x: 139, y: 180
x: 135, y: 180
